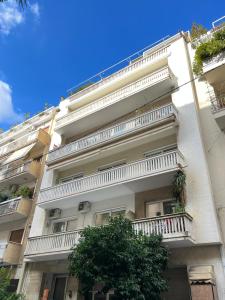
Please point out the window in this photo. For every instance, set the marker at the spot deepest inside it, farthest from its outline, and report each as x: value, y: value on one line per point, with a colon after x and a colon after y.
x: 13, y: 285
x: 112, y: 166
x: 160, y: 208
x: 70, y: 178
x: 16, y: 236
x: 59, y: 227
x: 160, y: 151
x: 64, y: 225
x: 102, y: 218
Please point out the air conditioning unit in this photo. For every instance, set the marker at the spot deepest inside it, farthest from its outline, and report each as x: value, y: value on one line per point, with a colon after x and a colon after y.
x: 84, y: 207
x: 54, y: 213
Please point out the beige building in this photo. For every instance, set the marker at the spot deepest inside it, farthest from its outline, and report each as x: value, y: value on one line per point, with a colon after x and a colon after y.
x: 22, y: 157
x: 117, y: 145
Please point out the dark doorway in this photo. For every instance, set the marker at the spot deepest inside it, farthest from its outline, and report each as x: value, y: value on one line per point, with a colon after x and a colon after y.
x: 59, y: 288
x: 178, y: 284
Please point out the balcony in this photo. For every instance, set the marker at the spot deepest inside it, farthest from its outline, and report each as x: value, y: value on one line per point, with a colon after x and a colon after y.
x: 27, y: 126
x: 10, y: 253
x: 176, y: 230
x: 14, y: 209
x: 147, y: 120
x: 214, y: 68
x: 138, y: 67
x: 218, y: 110
x: 141, y: 175
x: 40, y: 138
x: 19, y: 174
x: 114, y: 105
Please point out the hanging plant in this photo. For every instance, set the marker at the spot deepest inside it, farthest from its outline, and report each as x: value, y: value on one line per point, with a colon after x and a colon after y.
x: 179, y: 182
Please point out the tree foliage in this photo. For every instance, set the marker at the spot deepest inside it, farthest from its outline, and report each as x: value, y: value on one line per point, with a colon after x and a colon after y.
x: 119, y: 259
x: 209, y: 49
x: 5, y: 294
x: 197, y: 30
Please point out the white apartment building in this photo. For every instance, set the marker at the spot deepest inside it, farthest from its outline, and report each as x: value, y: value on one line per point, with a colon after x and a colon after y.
x: 116, y: 147
x: 21, y: 163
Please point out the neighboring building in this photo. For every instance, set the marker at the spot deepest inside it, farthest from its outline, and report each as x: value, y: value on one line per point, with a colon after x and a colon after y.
x: 116, y: 147
x: 21, y: 167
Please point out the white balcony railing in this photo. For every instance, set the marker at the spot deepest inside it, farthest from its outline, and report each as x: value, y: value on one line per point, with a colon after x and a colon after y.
x: 10, y: 206
x: 116, y: 131
x: 19, y: 143
x: 129, y: 172
x: 8, y: 170
x: 170, y: 227
x: 218, y: 103
x: 140, y: 62
x: 206, y: 37
x: 114, y: 97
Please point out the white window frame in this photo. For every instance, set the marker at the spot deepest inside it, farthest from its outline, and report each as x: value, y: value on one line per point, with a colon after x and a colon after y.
x: 115, y: 164
x: 70, y: 178
x: 110, y: 211
x: 158, y: 201
x: 160, y: 150
x: 66, y: 220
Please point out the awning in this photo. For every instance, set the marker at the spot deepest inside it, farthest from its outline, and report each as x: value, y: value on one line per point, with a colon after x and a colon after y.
x: 201, y: 275
x: 21, y: 153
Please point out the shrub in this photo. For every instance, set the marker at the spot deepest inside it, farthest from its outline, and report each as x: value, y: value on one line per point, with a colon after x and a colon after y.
x: 209, y: 49
x: 24, y: 191
x: 197, y: 30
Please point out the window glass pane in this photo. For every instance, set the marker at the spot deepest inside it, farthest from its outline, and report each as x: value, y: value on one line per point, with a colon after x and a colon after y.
x: 169, y: 207
x: 13, y: 285
x: 154, y: 210
x: 69, y: 178
x: 111, y: 166
x: 16, y: 236
x: 71, y: 225
x: 59, y: 227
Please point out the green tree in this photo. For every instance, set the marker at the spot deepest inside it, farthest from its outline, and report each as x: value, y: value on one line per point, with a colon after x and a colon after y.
x: 197, y: 30
x: 5, y: 294
x: 119, y: 259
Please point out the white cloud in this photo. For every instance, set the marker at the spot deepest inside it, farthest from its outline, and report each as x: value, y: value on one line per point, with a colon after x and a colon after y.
x: 7, y: 112
x: 35, y: 9
x: 11, y: 15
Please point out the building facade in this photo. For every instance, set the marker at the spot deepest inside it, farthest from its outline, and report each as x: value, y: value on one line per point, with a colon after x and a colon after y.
x: 22, y: 156
x: 116, y: 147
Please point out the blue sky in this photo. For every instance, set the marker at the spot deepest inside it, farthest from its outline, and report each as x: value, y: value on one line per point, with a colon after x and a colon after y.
x: 52, y: 45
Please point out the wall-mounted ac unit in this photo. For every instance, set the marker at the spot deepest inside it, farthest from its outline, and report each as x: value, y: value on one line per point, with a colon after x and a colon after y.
x: 54, y: 213
x: 84, y: 207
